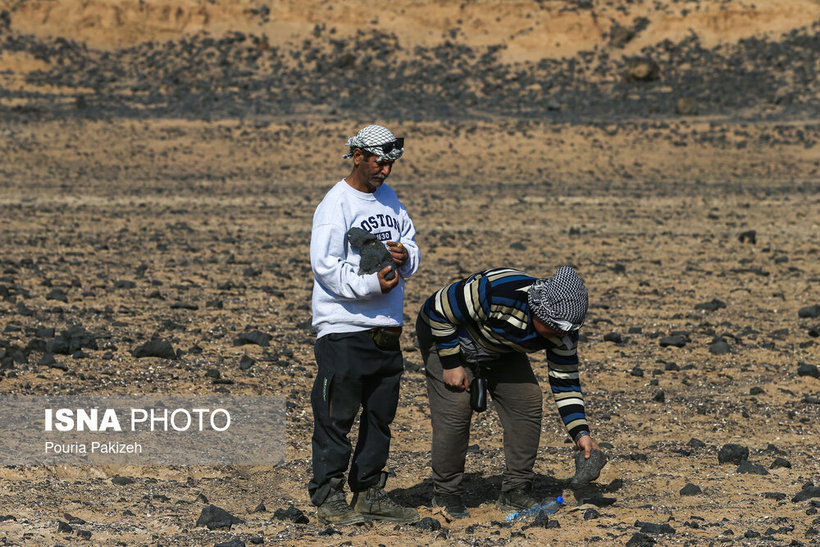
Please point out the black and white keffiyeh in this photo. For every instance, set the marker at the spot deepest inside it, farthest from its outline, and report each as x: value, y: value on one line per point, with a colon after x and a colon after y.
x: 373, y: 138
x: 560, y: 301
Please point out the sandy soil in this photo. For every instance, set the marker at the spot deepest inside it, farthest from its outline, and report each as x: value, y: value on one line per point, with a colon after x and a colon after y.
x: 215, y: 214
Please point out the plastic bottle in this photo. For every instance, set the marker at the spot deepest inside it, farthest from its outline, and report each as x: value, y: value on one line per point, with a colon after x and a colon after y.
x: 548, y: 507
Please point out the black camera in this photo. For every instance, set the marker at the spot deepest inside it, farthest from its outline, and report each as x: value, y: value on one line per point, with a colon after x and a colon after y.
x: 478, y: 394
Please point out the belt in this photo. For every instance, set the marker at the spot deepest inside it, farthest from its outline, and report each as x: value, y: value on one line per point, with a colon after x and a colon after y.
x: 391, y: 330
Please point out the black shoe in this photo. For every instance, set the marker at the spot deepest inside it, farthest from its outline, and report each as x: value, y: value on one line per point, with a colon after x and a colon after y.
x: 517, y: 498
x: 374, y: 503
x: 453, y: 504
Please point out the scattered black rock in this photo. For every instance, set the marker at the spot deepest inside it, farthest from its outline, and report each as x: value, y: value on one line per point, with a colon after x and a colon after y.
x: 84, y: 534
x: 756, y: 391
x: 587, y: 470
x: 809, y: 312
x: 712, y: 305
x: 374, y: 254
x: 215, y: 517
x: 591, y: 514
x: 428, y: 524
x: 639, y: 539
x: 733, y: 453
x: 599, y: 501
x: 774, y: 496
x: 659, y: 397
x: 64, y: 527
x: 690, y: 490
x: 805, y: 369
x: 260, y: 508
x: 613, y: 337
x: 696, y: 443
x: 746, y: 466
x: 652, y: 528
x: 57, y: 294
x: 4, y: 518
x: 155, y: 348
x: 749, y: 236
x: 292, y: 514
x: 808, y: 492
x: 780, y: 462
x: 234, y: 542
x: 121, y: 481
x: 719, y: 346
x: 253, y: 337
x: 71, y: 340
x: 246, y: 362
x: 674, y: 340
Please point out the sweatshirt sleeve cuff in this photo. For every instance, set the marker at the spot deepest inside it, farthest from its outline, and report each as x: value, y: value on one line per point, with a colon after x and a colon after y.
x: 450, y: 361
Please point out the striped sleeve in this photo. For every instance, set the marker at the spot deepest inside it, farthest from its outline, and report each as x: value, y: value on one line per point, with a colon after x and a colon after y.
x: 566, y: 388
x: 453, y: 306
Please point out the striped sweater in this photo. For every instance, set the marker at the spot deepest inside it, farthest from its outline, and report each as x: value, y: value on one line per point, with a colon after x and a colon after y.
x: 491, y: 308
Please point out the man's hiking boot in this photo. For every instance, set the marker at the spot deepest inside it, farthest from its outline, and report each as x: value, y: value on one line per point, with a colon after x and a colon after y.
x: 334, y: 509
x: 517, y: 498
x: 374, y: 503
x: 453, y: 504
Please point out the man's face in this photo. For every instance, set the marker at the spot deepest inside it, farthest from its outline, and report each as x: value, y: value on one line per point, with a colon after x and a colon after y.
x: 544, y: 330
x: 375, y: 171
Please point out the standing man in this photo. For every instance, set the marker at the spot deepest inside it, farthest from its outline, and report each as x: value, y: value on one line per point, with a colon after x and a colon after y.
x: 358, y: 318
x: 486, y: 324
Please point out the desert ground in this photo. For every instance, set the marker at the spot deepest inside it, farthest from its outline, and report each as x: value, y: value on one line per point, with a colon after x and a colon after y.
x: 162, y: 159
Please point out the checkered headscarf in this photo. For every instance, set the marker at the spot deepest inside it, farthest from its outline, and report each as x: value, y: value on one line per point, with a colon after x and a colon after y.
x: 560, y: 301
x: 371, y: 138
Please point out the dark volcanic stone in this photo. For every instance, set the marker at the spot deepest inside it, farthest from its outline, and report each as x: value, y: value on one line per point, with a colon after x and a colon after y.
x: 774, y: 495
x: 756, y: 391
x: 780, y: 462
x: 719, y: 346
x: 155, y: 348
x: 690, y: 490
x: 613, y: 337
x: 374, y: 254
x: 591, y: 514
x: 749, y: 235
x: 733, y: 453
x: 429, y: 524
x: 659, y: 397
x: 587, y: 470
x: 640, y: 540
x: 292, y: 514
x: 246, y: 362
x: 121, y: 481
x: 805, y: 369
x: 713, y: 305
x: 253, y: 337
x: 57, y: 294
x: 234, y: 542
x: 675, y: 340
x: 808, y: 492
x: 810, y: 312
x: 215, y: 517
x: 652, y: 528
x: 696, y: 443
x: 753, y: 468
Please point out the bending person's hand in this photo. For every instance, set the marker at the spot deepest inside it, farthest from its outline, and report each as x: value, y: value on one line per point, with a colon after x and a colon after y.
x: 587, y: 444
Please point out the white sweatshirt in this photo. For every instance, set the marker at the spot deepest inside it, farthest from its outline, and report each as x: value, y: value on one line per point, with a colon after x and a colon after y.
x: 343, y: 300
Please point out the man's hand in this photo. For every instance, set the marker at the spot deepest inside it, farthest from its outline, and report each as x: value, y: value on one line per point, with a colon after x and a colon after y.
x: 387, y: 285
x: 398, y: 252
x: 456, y: 378
x: 587, y: 444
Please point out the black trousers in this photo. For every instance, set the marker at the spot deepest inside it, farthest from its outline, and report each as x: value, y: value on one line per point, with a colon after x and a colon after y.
x: 354, y: 372
x: 516, y: 397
